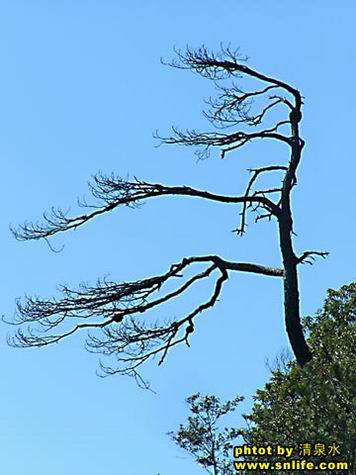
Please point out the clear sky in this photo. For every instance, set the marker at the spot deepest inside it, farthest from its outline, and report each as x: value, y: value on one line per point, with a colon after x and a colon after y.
x: 81, y: 90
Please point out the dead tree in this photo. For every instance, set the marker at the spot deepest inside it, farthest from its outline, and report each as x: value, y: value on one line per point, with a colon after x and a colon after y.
x: 116, y: 308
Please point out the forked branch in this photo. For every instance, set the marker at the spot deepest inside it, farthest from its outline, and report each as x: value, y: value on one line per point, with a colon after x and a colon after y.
x: 114, y: 308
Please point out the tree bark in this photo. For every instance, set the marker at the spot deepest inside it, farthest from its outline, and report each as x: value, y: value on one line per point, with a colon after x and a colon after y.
x: 290, y: 261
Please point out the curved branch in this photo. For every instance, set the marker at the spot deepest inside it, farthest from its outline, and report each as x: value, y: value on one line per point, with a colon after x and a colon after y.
x: 115, y: 192
x: 223, y: 64
x: 226, y: 142
x: 115, y: 308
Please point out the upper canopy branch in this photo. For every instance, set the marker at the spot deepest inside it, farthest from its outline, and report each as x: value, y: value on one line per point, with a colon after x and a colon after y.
x: 234, y: 106
x: 114, y: 192
x: 223, y: 64
x: 226, y: 142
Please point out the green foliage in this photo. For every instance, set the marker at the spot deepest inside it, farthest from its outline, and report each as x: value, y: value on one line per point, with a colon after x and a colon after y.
x: 202, y: 437
x: 316, y: 404
x: 313, y: 405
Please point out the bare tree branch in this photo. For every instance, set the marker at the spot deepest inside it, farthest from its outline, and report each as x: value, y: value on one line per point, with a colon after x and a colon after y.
x: 226, y: 142
x: 222, y: 65
x: 115, y: 192
x: 233, y: 106
x: 308, y: 257
x: 255, y: 174
x: 114, y: 308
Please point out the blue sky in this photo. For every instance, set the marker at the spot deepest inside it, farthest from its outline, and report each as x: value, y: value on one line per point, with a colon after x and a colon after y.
x: 81, y: 90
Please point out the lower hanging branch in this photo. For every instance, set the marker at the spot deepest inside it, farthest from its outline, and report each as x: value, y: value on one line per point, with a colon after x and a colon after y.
x: 133, y: 342
x: 114, y: 309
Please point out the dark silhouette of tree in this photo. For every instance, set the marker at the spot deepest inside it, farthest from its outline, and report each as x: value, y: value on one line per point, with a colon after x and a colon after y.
x: 239, y: 117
